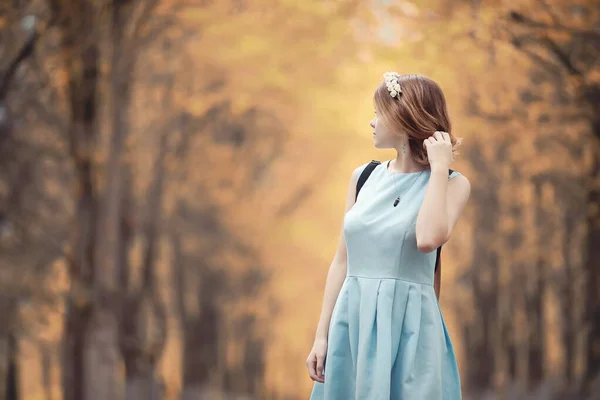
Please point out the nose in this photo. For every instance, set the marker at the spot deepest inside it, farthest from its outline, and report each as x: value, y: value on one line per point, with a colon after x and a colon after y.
x: 372, y: 123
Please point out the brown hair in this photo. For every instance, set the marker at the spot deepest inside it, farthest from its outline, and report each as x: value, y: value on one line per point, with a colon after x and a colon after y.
x: 418, y: 112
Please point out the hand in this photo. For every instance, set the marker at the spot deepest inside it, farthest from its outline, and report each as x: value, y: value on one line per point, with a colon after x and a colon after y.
x: 439, y: 150
x: 316, y: 360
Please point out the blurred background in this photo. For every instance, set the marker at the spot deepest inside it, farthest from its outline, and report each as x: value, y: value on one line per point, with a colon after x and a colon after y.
x: 173, y: 176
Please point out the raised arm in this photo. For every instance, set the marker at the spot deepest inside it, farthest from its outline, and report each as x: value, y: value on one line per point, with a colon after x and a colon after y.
x: 442, y: 206
x: 444, y: 199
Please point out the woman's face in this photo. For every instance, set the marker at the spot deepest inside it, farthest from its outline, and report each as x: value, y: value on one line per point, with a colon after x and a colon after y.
x: 383, y: 138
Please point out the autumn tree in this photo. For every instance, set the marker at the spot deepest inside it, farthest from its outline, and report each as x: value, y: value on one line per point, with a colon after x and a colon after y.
x: 560, y: 40
x: 25, y: 205
x: 92, y: 33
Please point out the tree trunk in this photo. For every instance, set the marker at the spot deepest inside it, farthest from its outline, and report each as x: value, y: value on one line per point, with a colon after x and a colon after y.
x: 467, y: 340
x: 198, y: 392
x: 200, y: 355
x: 509, y: 294
x: 81, y: 59
x: 535, y: 300
x: 484, y: 375
x: 102, y: 361
x: 78, y: 303
x: 46, y: 367
x: 254, y: 366
x: 567, y: 295
x: 103, y: 355
x: 12, y: 373
x: 510, y: 347
x: 141, y: 352
x: 143, y: 386
x: 3, y: 363
x: 200, y: 328
x: 592, y: 273
x: 140, y: 349
x: 536, y: 329
x: 73, y: 379
x: 483, y: 361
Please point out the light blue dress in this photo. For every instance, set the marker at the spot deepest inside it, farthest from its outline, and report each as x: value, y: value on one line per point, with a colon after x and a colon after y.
x: 387, y: 337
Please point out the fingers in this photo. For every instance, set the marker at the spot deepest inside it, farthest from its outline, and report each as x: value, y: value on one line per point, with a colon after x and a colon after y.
x: 311, y: 364
x: 315, y: 367
x: 438, y: 136
x: 441, y: 135
x: 320, y: 365
x: 430, y: 140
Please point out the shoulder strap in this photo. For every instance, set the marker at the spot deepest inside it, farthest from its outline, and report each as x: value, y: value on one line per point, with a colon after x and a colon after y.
x: 364, y: 175
x: 437, y: 279
x: 439, y: 250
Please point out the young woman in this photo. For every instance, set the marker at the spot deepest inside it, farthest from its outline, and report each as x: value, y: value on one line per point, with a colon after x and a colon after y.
x: 381, y: 334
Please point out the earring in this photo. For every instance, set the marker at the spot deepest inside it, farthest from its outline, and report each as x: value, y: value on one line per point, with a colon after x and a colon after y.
x: 404, y: 148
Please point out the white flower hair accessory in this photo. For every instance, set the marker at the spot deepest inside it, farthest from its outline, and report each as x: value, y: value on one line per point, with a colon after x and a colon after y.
x: 391, y: 82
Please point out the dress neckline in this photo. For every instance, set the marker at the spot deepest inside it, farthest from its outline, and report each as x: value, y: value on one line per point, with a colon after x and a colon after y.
x: 386, y: 166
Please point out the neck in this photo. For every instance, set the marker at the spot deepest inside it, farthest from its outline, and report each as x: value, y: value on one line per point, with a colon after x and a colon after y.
x: 404, y: 162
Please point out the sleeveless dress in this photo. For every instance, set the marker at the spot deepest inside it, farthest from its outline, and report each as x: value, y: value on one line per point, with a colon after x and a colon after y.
x: 387, y: 337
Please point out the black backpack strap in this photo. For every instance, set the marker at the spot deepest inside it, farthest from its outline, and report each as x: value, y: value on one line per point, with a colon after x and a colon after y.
x: 437, y: 258
x: 439, y: 250
x: 364, y: 175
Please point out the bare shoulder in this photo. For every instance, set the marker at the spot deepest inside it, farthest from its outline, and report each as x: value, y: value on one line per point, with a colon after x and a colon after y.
x: 357, y: 171
x: 460, y: 181
x: 351, y: 196
x: 459, y: 189
x: 458, y: 193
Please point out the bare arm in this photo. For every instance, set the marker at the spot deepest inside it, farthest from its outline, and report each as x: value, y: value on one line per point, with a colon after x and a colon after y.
x: 442, y: 206
x: 335, y: 279
x: 337, y: 269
